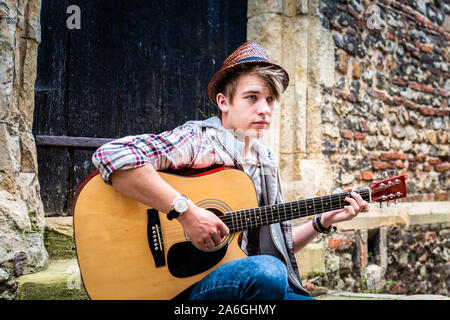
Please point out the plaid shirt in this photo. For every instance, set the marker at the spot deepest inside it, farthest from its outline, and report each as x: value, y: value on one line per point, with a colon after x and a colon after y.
x: 185, y: 150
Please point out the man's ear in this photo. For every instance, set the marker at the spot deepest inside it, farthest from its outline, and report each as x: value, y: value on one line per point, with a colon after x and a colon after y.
x: 222, y: 102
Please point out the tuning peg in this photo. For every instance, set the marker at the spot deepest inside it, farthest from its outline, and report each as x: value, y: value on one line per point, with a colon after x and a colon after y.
x: 392, y: 173
x: 388, y: 203
x: 384, y: 174
x: 381, y: 205
x: 395, y: 201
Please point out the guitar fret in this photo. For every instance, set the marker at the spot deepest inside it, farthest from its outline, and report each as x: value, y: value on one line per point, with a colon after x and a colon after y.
x: 321, y: 202
x: 292, y: 210
x: 253, y: 218
x: 232, y: 215
x: 269, y: 214
x: 260, y: 216
x: 245, y: 218
x: 304, y: 207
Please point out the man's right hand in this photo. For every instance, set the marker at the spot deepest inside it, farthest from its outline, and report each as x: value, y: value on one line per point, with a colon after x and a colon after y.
x: 203, y: 227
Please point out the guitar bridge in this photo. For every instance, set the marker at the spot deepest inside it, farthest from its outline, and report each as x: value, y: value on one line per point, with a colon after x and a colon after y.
x: 154, y: 237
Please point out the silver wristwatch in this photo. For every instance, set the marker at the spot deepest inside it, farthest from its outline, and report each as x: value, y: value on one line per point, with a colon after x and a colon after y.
x: 179, y: 206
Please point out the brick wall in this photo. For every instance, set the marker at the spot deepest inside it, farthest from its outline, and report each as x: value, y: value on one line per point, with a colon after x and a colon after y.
x: 389, y: 108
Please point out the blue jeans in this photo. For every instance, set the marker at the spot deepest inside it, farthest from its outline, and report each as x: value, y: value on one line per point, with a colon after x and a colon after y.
x: 261, y: 277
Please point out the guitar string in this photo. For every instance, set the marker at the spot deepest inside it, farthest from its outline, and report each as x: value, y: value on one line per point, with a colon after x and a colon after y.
x: 245, y: 216
x: 242, y: 216
x: 238, y: 213
x: 183, y: 237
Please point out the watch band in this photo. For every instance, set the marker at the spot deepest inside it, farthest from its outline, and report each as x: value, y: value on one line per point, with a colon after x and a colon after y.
x: 173, y: 214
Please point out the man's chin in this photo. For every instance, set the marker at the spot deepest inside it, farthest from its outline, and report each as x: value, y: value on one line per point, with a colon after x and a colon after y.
x: 257, y: 133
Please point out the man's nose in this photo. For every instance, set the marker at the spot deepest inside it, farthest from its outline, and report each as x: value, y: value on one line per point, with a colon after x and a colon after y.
x: 263, y: 107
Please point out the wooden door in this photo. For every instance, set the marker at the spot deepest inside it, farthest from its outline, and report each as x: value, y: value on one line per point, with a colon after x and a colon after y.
x: 136, y: 66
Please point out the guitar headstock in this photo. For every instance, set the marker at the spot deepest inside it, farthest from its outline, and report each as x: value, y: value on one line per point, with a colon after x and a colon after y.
x: 392, y: 188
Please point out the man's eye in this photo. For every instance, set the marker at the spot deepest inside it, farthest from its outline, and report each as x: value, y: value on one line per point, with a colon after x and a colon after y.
x: 270, y: 99
x: 251, y: 98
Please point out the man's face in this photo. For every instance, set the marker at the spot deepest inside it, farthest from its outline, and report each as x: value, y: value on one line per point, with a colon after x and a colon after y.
x: 252, y: 107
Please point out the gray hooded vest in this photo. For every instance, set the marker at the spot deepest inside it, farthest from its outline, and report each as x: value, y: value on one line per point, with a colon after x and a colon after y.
x: 274, y: 239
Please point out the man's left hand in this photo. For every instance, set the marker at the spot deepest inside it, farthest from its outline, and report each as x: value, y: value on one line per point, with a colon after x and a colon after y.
x: 356, y: 205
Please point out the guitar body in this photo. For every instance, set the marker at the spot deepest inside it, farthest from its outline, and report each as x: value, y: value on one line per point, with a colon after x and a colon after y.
x: 113, y: 237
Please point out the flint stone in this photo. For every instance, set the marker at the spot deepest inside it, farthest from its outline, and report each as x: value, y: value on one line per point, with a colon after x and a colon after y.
x: 328, y: 146
x: 371, y: 142
x: 437, y: 123
x: 4, y: 275
x: 399, y: 132
x: 367, y: 76
x: 343, y: 146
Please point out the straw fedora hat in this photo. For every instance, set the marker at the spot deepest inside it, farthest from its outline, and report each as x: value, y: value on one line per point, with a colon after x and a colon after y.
x: 248, y: 53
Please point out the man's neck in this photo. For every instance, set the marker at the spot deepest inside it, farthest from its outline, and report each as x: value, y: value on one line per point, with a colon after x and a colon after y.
x: 248, y: 141
x: 240, y: 136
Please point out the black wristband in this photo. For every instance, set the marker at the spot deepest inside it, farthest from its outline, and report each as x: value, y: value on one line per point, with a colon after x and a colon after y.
x: 319, y: 227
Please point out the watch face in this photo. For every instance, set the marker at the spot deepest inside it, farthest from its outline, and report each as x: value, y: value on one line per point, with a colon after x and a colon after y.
x: 181, y: 205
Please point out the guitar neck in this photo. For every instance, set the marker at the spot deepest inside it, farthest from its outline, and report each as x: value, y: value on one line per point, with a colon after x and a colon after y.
x: 251, y: 218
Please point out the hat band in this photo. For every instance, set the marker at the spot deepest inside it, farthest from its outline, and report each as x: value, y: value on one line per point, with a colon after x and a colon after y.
x: 251, y: 59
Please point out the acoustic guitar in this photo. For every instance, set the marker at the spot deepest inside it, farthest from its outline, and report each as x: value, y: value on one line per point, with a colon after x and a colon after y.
x: 126, y: 250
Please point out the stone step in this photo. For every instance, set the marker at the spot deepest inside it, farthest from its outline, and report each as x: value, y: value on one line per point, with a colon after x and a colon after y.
x: 61, y: 281
x: 342, y: 295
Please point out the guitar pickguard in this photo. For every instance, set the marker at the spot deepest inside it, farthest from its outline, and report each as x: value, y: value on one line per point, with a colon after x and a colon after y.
x: 185, y: 260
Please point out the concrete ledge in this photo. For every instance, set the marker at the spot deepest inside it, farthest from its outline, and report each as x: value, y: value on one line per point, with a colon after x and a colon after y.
x: 406, y: 213
x: 61, y: 281
x: 341, y: 295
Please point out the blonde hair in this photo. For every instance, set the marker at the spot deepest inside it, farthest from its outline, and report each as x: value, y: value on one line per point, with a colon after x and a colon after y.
x: 271, y: 75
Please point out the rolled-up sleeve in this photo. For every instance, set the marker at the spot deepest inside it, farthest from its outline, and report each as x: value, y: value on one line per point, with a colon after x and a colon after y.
x: 173, y: 149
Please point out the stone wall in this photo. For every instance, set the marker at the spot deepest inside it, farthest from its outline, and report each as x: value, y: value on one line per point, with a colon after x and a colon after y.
x: 368, y: 93
x: 415, y: 261
x: 419, y: 260
x: 292, y: 34
x: 388, y: 109
x: 21, y: 212
x: 409, y: 255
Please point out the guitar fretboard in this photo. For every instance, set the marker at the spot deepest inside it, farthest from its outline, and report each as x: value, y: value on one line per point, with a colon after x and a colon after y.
x: 250, y: 218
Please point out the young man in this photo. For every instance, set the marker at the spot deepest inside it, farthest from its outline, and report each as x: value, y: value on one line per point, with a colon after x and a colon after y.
x: 247, y: 89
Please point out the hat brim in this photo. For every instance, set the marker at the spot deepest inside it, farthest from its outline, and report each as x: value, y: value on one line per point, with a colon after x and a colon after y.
x: 216, y: 80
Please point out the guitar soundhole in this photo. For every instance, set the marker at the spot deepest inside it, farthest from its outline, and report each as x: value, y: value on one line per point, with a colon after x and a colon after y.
x: 185, y: 260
